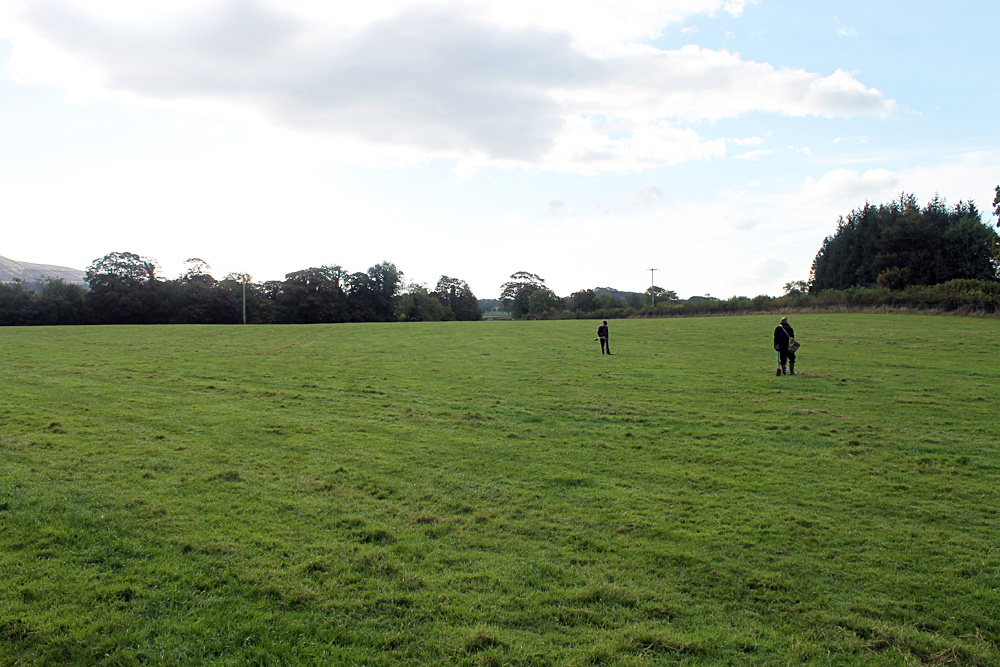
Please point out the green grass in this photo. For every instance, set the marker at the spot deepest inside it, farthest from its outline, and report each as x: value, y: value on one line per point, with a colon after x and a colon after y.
x: 501, y: 494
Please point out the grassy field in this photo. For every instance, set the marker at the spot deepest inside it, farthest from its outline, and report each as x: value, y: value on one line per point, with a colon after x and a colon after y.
x: 501, y: 494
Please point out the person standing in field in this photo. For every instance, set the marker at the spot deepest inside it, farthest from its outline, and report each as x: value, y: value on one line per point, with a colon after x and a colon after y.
x: 783, y: 333
x: 602, y: 334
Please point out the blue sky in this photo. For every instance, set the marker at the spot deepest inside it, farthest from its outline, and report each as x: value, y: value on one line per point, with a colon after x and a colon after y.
x: 717, y: 141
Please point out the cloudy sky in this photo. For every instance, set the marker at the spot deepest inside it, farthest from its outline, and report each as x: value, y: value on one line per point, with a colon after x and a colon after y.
x: 717, y: 141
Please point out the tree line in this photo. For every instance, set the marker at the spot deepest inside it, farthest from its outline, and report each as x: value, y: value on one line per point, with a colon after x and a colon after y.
x: 959, y: 295
x: 899, y: 244
x: 124, y: 289
x: 525, y: 295
x: 895, y: 255
x: 891, y: 255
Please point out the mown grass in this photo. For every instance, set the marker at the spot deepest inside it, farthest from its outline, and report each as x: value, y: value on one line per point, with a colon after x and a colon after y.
x: 501, y: 494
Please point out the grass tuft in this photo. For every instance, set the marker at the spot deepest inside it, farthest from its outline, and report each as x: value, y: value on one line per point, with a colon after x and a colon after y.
x: 481, y: 640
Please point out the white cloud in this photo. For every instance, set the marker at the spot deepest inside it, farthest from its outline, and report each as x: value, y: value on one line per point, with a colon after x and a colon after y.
x: 590, y: 146
x: 850, y: 185
x: 508, y: 83
x: 597, y: 23
x: 696, y: 84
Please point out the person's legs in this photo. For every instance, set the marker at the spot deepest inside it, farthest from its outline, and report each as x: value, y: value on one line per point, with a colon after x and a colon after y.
x: 791, y: 362
x: 782, y: 359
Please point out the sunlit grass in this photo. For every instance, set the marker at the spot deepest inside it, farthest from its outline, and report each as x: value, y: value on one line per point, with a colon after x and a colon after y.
x: 500, y: 493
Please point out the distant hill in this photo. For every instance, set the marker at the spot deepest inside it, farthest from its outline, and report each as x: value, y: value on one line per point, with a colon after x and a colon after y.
x: 12, y: 269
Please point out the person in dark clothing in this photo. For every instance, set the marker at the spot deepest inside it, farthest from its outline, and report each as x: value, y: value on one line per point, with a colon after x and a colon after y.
x: 602, y: 334
x: 782, y: 334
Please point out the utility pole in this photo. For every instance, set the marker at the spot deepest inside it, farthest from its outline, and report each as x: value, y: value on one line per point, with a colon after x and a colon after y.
x: 652, y: 284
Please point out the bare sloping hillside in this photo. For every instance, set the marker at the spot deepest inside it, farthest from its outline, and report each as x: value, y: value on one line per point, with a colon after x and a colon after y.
x: 11, y: 269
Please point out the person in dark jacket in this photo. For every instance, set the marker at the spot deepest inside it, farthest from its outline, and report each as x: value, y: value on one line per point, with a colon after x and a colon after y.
x: 783, y: 333
x: 602, y: 333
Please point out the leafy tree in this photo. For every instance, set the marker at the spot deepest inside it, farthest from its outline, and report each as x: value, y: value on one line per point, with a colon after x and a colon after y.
x: 271, y: 291
x: 516, y: 292
x: 201, y: 303
x: 654, y: 295
x: 456, y: 295
x: 796, y: 287
x: 169, y: 302
x: 198, y: 270
x: 582, y: 301
x: 604, y: 301
x: 542, y: 301
x: 195, y: 299
x: 259, y: 308
x: 120, y: 288
x: 16, y: 302
x: 619, y: 296
x: 417, y: 305
x: 60, y: 302
x: 312, y: 295
x: 373, y: 294
x: 120, y: 267
x: 894, y: 277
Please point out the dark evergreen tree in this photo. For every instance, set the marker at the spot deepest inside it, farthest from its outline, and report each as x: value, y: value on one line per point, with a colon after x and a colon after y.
x: 898, y: 244
x: 996, y: 205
